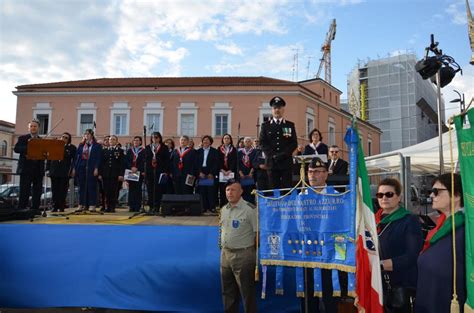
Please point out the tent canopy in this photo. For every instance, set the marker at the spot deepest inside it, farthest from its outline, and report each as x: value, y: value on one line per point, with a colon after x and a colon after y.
x: 424, y: 157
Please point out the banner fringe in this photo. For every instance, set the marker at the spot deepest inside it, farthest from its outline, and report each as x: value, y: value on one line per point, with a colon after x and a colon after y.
x: 340, y: 267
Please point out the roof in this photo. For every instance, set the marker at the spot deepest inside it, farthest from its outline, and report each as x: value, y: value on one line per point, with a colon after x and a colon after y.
x: 163, y: 82
x: 7, y: 124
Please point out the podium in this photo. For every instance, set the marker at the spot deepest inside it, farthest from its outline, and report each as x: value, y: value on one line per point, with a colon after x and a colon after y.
x: 45, y: 150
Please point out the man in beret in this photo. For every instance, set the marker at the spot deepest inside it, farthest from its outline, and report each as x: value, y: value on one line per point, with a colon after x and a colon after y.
x: 278, y: 141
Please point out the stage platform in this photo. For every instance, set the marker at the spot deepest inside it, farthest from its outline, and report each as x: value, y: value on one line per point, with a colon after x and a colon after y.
x: 148, y: 263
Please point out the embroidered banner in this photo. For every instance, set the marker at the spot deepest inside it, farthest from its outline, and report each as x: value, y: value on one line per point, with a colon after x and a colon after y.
x: 308, y: 229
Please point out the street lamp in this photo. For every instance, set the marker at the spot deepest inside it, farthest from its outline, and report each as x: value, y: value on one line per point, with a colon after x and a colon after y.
x: 441, y: 69
x: 461, y: 100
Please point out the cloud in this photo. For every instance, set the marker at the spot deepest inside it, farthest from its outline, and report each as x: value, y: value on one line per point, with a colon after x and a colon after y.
x: 457, y: 13
x: 274, y: 61
x: 230, y: 48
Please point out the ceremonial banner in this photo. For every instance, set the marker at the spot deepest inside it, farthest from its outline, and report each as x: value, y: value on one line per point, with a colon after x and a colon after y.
x: 308, y: 229
x: 465, y: 134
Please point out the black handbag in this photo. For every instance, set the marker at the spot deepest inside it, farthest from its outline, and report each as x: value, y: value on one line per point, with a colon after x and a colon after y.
x: 395, y: 297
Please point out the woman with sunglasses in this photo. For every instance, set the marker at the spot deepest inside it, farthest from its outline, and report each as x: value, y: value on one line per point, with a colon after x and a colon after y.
x: 435, y: 263
x: 400, y: 242
x: 60, y: 172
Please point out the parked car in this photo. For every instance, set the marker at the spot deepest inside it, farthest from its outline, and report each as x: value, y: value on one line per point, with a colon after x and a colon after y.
x: 11, y: 195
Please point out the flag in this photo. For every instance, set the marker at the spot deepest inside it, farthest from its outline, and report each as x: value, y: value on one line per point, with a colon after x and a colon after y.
x: 369, y: 294
x: 466, y: 161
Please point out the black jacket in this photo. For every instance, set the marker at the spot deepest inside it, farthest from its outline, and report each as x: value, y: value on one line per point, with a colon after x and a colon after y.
x: 162, y: 158
x: 231, y: 160
x: 139, y: 162
x: 189, y: 163
x: 278, y: 141
x: 64, y: 167
x: 340, y: 168
x: 212, y: 162
x: 25, y: 166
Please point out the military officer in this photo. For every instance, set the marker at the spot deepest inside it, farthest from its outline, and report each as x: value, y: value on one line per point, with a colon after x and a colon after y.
x: 238, y: 222
x: 278, y: 141
x: 111, y: 172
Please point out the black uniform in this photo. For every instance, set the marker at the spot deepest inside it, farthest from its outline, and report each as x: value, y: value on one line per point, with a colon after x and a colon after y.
x: 31, y: 175
x: 278, y: 141
x: 183, y: 164
x: 245, y: 158
x: 60, y: 172
x: 112, y: 166
x: 261, y: 176
x: 135, y: 157
x: 227, y: 162
x: 211, y: 167
x: 157, y: 166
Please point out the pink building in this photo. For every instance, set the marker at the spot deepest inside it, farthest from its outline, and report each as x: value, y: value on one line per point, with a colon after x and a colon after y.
x: 194, y: 106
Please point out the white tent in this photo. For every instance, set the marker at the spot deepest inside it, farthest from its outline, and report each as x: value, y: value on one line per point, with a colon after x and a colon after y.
x: 424, y: 157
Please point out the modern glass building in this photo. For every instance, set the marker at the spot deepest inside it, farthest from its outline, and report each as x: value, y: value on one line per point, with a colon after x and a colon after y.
x: 391, y: 95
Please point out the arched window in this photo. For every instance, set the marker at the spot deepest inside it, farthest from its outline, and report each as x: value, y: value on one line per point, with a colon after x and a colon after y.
x: 3, y: 148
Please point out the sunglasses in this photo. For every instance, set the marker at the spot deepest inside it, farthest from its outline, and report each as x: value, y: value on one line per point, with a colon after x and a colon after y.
x: 334, y: 152
x: 388, y: 194
x: 436, y: 191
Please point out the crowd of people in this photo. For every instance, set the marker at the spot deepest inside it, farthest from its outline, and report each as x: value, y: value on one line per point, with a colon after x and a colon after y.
x: 416, y: 271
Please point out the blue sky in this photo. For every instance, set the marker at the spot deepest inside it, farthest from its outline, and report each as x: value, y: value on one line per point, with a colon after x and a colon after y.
x: 45, y: 41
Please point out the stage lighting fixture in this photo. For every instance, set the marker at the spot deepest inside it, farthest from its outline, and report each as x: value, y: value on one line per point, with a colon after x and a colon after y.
x: 428, y: 66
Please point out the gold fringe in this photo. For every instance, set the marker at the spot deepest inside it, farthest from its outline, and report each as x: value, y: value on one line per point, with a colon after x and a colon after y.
x: 468, y: 309
x: 279, y: 292
x: 351, y: 294
x: 318, y: 294
x: 454, y: 306
x: 263, y: 295
x: 300, y: 294
x: 257, y: 274
x: 340, y: 267
x: 336, y: 293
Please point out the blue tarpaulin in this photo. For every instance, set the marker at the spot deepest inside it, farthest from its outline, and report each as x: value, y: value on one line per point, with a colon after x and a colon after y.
x: 156, y: 268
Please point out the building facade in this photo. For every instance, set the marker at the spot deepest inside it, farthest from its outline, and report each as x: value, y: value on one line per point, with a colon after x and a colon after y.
x: 193, y: 106
x: 7, y: 131
x: 391, y: 95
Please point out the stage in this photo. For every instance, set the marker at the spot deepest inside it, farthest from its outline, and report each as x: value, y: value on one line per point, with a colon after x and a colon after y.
x: 110, y: 261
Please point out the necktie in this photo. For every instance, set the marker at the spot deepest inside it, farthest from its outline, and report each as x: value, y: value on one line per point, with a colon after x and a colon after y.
x: 333, y: 164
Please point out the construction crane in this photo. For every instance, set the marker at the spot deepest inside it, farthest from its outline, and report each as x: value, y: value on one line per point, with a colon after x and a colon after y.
x: 326, y: 49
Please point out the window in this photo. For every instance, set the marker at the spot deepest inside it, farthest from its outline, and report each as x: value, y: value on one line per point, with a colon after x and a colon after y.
x: 187, y: 124
x: 266, y: 117
x: 44, y: 123
x: 187, y: 119
x: 221, y: 118
x: 3, y: 148
x: 331, y: 132
x: 120, y: 124
x: 86, y: 113
x: 221, y: 125
x: 42, y: 112
x: 369, y: 147
x: 153, y: 116
x: 120, y: 119
x: 86, y: 122
x: 153, y: 122
x: 309, y: 125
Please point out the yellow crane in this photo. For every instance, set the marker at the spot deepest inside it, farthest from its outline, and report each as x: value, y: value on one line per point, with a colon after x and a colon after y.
x: 326, y: 49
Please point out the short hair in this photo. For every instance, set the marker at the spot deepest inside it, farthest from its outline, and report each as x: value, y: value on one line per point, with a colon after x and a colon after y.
x: 232, y: 181
x: 208, y: 137
x: 171, y: 141
x: 185, y: 137
x: 393, y: 182
x: 138, y: 137
x: 334, y: 147
x: 227, y: 134
x: 445, y: 179
x: 68, y: 137
x: 89, y: 131
x: 35, y: 121
x: 315, y: 130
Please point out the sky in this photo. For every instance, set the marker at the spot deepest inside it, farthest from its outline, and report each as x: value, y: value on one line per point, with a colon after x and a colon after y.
x: 45, y: 41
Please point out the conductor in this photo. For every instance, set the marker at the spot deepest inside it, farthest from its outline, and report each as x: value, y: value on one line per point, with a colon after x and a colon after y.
x: 278, y: 141
x: 31, y: 171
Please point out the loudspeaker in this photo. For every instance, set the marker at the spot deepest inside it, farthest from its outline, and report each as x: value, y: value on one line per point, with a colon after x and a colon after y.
x: 172, y: 204
x: 9, y: 213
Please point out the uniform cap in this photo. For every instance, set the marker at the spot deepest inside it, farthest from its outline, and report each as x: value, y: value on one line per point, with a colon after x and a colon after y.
x: 277, y: 102
x: 317, y: 162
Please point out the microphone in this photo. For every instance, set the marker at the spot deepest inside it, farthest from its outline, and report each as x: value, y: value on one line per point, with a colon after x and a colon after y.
x: 152, y: 125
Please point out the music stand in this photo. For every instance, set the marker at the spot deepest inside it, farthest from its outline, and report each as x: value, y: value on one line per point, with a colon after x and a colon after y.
x: 45, y: 150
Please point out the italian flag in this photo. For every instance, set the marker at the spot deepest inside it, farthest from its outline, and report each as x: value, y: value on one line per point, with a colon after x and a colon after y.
x: 368, y: 276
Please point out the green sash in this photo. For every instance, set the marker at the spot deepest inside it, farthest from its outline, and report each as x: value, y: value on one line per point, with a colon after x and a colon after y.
x: 447, y: 227
x: 395, y: 216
